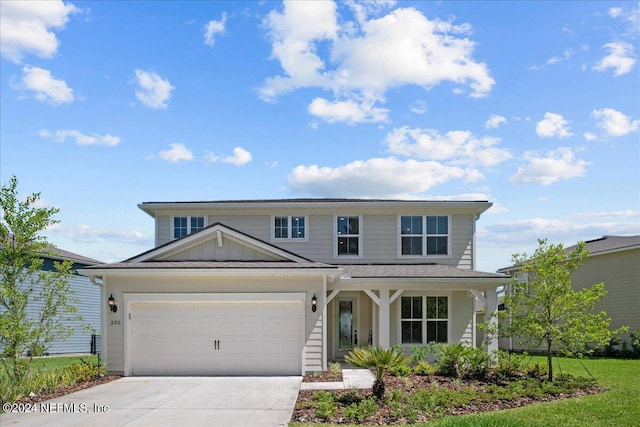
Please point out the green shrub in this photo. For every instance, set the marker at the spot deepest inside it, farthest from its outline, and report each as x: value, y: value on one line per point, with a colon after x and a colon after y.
x: 510, y: 365
x: 635, y: 343
x: 349, y: 397
x: 326, y: 410
x: 424, y: 368
x: 400, y: 371
x: 476, y: 363
x: 326, y: 404
x: 422, y: 353
x: 537, y: 371
x: 451, y: 360
x: 361, y: 411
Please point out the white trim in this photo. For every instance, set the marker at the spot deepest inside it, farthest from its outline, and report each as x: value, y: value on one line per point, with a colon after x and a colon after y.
x: 360, y: 237
x: 131, y: 298
x: 424, y: 237
x: 289, y: 225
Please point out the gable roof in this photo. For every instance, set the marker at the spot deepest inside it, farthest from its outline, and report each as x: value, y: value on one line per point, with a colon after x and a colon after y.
x: 216, y: 231
x: 610, y: 243
x: 600, y: 246
x: 52, y: 252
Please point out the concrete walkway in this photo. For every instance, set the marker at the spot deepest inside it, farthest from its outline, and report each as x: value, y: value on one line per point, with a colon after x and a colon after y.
x: 351, y: 378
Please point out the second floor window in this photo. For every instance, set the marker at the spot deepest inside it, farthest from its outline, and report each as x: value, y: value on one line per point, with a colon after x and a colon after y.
x: 348, y: 235
x: 183, y: 225
x: 424, y: 235
x: 289, y: 227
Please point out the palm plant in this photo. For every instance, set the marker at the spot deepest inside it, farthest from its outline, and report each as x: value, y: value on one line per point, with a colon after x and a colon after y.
x: 380, y: 360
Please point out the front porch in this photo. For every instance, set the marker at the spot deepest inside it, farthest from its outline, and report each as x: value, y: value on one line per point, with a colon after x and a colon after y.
x: 372, y: 305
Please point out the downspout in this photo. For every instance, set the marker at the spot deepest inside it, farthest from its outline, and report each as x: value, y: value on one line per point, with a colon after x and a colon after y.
x: 103, y: 315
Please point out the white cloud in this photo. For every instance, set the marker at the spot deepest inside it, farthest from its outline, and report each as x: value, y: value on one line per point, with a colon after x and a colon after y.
x: 419, y: 107
x: 568, y: 53
x: 631, y: 16
x: 176, y: 153
x: 589, y: 136
x: 567, y: 230
x: 621, y: 58
x: 27, y: 27
x: 367, y: 57
x: 494, y: 121
x: 615, y: 12
x: 378, y: 177
x: 457, y: 147
x: 349, y: 111
x: 240, y: 157
x: 553, y: 125
x: 153, y: 90
x: 80, y: 138
x: 556, y: 165
x: 213, y: 28
x: 82, y: 233
x: 614, y: 122
x: 47, y: 88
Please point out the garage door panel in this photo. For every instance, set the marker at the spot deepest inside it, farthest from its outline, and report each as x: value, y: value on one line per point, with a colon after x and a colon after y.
x: 216, y: 338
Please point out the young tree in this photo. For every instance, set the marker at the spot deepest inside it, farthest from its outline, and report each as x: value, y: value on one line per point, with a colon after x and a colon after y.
x: 23, y: 283
x: 547, y: 311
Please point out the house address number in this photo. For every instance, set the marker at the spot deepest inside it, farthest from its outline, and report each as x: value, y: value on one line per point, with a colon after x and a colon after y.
x: 115, y: 322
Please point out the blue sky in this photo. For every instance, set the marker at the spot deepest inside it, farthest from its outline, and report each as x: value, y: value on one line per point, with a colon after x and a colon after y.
x: 534, y: 106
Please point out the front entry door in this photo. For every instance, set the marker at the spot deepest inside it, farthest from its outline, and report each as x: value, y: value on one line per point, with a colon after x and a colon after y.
x: 347, y: 333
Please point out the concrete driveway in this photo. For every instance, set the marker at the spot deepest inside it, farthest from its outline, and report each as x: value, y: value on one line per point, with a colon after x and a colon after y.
x: 170, y: 401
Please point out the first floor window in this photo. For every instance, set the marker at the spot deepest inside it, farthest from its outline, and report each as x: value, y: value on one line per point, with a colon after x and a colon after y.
x: 183, y: 225
x: 424, y: 319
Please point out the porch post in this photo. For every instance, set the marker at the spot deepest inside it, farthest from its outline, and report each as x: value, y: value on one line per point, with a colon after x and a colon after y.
x: 491, y: 317
x: 384, y: 339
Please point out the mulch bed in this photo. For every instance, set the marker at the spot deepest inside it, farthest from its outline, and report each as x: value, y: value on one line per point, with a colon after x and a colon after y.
x: 323, y: 377
x: 304, y: 411
x: 61, y: 391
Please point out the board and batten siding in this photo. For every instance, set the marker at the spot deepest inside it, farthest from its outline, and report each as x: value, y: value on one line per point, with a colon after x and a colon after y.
x: 118, y: 285
x: 379, y: 236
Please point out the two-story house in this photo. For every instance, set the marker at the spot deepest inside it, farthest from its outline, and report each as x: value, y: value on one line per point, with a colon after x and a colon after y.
x: 261, y: 287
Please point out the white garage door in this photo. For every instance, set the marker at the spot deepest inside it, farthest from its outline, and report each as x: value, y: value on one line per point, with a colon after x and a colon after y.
x: 216, y: 338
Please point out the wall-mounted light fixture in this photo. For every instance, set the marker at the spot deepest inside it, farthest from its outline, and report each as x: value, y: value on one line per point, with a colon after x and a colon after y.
x: 112, y: 304
x: 314, y: 303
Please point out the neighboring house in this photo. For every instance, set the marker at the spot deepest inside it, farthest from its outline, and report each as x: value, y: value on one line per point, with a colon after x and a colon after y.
x: 262, y: 287
x: 614, y: 260
x: 88, y: 306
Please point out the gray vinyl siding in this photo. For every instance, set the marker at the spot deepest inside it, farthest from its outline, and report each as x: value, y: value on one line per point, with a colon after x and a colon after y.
x: 378, y: 231
x: 88, y: 307
x: 620, y: 272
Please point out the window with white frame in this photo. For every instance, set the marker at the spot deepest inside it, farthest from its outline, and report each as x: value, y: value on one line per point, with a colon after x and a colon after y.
x: 289, y: 227
x: 424, y: 319
x: 424, y: 235
x: 520, y: 282
x: 348, y: 239
x: 183, y: 225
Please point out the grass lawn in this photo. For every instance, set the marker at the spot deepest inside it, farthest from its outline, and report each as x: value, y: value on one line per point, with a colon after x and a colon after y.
x: 58, y: 362
x: 616, y: 407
